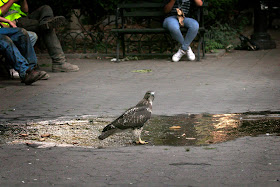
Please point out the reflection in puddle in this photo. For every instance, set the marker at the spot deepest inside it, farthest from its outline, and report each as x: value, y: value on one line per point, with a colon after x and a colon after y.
x: 180, y: 130
x: 206, y: 129
x: 194, y: 129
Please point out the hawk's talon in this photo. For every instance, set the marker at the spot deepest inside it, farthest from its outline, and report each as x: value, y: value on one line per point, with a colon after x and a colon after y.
x: 141, y: 142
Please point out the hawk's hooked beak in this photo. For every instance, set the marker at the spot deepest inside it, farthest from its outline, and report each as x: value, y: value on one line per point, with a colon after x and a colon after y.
x: 152, y: 96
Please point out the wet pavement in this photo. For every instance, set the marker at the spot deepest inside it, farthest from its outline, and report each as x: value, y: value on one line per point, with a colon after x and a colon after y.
x: 206, y: 128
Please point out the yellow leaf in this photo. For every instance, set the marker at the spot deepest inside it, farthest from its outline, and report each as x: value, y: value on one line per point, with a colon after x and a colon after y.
x: 175, y: 127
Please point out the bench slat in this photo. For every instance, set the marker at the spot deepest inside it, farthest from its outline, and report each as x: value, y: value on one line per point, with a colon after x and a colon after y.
x: 139, y: 31
x: 143, y: 30
x: 143, y: 14
x: 141, y: 5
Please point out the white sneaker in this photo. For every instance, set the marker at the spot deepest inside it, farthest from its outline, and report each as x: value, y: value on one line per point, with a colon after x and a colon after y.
x: 14, y: 74
x: 190, y: 54
x: 177, y: 56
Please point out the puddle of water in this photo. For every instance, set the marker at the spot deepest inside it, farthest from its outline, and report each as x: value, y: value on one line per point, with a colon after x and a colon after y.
x: 206, y: 129
x: 180, y: 130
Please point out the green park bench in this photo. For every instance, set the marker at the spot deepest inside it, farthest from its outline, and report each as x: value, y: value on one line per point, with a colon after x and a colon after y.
x: 151, y: 11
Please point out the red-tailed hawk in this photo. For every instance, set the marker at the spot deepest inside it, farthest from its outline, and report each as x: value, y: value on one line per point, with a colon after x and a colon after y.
x: 134, y: 118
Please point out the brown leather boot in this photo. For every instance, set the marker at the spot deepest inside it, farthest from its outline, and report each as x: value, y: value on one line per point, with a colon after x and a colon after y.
x: 32, y: 76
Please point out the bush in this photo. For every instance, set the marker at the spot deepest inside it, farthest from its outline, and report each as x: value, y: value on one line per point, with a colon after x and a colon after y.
x: 221, y: 11
x: 220, y: 36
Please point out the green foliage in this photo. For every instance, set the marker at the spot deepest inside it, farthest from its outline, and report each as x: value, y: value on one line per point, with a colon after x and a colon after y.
x: 221, y: 10
x: 220, y: 36
x: 212, y: 45
x: 223, y: 23
x: 97, y: 9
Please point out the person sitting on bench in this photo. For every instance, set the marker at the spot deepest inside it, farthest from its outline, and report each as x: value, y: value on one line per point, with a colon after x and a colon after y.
x: 176, y: 12
x: 16, y: 45
x: 43, y: 22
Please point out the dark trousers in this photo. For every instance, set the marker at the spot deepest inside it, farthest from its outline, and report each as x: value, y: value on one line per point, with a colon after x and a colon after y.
x: 32, y: 23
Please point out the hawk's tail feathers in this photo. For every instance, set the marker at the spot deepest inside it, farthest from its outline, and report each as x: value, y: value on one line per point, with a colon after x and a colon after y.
x: 106, y: 134
x: 107, y: 131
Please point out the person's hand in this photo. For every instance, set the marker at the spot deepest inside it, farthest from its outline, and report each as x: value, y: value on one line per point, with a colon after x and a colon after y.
x: 198, y: 2
x: 13, y: 24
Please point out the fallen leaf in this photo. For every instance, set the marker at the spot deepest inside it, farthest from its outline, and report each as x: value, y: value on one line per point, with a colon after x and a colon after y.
x: 45, y: 135
x: 23, y: 135
x: 190, y: 138
x: 142, y: 71
x: 175, y: 127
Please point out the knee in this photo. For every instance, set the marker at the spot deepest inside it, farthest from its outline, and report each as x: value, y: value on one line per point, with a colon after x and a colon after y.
x: 21, y: 30
x: 173, y: 28
x: 47, y: 9
x: 171, y: 24
x: 4, y: 38
x: 194, y: 25
x: 5, y: 41
x: 33, y: 35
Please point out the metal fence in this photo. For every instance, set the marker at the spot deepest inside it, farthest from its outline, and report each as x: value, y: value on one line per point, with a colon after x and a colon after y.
x: 87, y: 42
x: 105, y: 43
